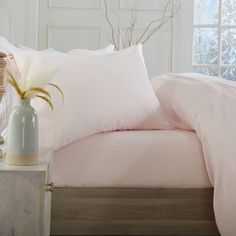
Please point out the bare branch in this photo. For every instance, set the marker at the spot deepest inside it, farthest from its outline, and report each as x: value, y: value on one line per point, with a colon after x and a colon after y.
x: 128, y: 33
x: 163, y: 22
x: 130, y: 28
x: 121, y: 36
x: 150, y: 30
x: 111, y: 26
x: 133, y: 23
x: 127, y: 37
x: 154, y: 21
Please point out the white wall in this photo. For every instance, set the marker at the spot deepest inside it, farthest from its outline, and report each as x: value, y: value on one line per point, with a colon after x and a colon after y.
x: 67, y: 24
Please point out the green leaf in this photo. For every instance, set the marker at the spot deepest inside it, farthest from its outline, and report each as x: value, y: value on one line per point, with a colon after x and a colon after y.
x: 59, y: 89
x: 46, y: 100
x: 33, y: 91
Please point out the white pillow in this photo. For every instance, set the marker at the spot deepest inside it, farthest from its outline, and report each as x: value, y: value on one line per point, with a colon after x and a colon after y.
x: 102, y: 93
x: 9, y: 99
x: 108, y: 49
x: 7, y: 47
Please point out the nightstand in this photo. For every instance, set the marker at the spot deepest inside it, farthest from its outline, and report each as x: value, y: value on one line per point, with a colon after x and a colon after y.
x: 25, y: 197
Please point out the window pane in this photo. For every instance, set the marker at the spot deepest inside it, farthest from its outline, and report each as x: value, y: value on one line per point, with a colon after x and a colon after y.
x: 229, y: 46
x: 206, y: 11
x: 229, y: 12
x: 205, y: 46
x: 206, y: 70
x: 228, y: 73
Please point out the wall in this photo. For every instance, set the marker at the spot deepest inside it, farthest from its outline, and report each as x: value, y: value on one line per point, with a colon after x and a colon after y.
x: 67, y: 24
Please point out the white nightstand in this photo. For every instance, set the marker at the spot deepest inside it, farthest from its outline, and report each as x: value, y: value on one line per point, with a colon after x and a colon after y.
x: 25, y: 197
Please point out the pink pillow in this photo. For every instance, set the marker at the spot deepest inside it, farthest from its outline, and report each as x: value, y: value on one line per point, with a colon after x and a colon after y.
x: 102, y: 93
x: 158, y: 119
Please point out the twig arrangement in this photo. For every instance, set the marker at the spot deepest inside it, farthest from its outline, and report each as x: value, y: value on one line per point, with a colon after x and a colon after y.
x: 153, y: 27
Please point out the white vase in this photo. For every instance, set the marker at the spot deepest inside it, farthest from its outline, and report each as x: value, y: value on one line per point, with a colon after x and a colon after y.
x: 22, y: 135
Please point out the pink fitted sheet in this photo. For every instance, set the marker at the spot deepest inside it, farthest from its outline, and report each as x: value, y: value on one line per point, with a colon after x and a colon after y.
x: 170, y: 159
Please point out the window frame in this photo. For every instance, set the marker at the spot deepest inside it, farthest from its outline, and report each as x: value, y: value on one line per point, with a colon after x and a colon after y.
x: 220, y: 27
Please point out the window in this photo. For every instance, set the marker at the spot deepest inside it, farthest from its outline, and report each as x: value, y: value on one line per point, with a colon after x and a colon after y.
x: 214, y: 39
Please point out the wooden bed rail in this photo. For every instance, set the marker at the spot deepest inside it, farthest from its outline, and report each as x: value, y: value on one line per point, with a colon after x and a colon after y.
x: 120, y: 211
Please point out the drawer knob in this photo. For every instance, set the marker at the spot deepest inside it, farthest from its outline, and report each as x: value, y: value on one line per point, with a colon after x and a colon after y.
x: 50, y: 187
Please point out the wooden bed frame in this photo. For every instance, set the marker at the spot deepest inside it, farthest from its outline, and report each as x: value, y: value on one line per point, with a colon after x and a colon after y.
x: 125, y: 211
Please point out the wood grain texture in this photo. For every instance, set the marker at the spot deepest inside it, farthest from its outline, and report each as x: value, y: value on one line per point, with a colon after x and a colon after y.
x: 116, y: 211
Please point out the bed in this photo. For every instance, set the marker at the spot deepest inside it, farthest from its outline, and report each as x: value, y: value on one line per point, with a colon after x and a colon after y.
x: 132, y: 183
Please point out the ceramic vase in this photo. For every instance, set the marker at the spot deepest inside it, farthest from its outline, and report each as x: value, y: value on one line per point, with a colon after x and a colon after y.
x: 22, y: 135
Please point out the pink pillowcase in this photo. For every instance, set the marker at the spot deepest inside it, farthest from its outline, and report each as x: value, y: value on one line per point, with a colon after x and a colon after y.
x: 158, y: 119
x: 102, y: 93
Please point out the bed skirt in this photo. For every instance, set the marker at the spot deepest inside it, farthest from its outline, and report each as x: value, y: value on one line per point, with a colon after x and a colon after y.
x: 127, y: 211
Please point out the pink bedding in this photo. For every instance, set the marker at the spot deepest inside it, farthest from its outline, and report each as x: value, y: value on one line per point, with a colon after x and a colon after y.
x: 133, y: 159
x: 207, y: 106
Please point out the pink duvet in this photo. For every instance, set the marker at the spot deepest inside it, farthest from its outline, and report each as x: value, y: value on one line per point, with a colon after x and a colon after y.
x: 209, y: 108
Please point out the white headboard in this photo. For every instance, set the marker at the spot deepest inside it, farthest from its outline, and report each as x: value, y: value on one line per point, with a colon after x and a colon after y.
x: 67, y: 24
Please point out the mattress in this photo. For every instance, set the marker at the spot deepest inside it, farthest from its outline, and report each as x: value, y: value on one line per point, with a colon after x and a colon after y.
x: 134, y: 159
